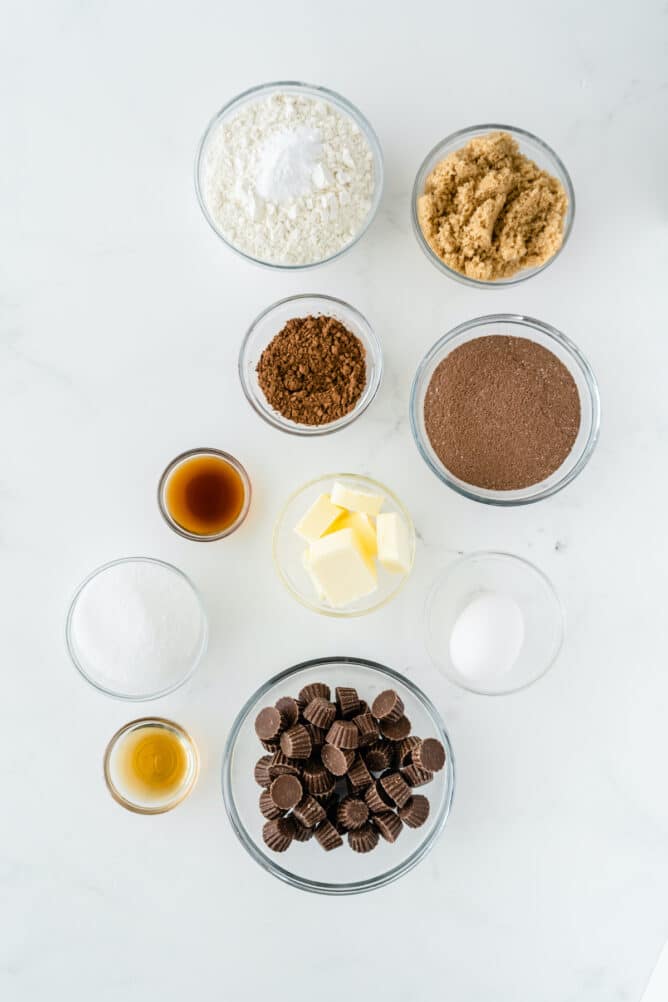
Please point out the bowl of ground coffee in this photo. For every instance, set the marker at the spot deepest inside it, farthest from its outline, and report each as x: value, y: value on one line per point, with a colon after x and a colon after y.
x: 310, y: 365
x: 505, y: 410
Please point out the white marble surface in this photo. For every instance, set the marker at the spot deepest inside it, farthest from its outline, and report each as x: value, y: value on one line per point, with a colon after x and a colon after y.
x: 120, y: 321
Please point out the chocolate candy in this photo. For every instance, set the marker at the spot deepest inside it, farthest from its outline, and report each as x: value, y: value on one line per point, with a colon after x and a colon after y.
x: 368, y: 728
x: 352, y: 813
x: 364, y: 706
x: 309, y: 812
x: 268, y: 808
x: 377, y: 799
x: 286, y: 792
x: 336, y: 760
x: 278, y: 834
x: 403, y: 750
x: 379, y: 756
x: 396, y: 787
x: 296, y: 742
x: 430, y: 756
x: 415, y: 811
x: 326, y: 834
x: 347, y: 701
x: 363, y: 839
x: 269, y: 723
x: 359, y: 776
x: 389, y: 825
x: 261, y: 772
x: 317, y: 734
x: 270, y: 746
x: 318, y: 782
x: 320, y: 712
x: 290, y: 709
x: 387, y: 706
x: 301, y: 833
x: 312, y: 691
x: 281, y: 765
x: 395, y: 730
x: 343, y: 734
x: 415, y: 776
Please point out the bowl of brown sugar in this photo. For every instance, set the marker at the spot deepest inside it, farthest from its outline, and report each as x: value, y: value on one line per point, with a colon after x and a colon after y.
x: 310, y: 365
x: 505, y: 410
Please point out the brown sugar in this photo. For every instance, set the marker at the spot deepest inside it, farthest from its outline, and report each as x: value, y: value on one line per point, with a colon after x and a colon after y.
x: 501, y: 412
x: 488, y: 211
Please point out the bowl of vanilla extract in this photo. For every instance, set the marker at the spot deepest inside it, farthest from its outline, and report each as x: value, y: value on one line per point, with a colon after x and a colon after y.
x: 204, y: 494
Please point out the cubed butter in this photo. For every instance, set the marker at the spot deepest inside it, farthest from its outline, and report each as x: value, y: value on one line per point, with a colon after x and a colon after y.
x: 317, y: 519
x: 394, y: 551
x: 306, y: 560
x: 341, y: 569
x: 346, y: 497
x: 363, y: 528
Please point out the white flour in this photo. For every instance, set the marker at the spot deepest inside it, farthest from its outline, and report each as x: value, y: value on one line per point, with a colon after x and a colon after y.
x: 289, y: 179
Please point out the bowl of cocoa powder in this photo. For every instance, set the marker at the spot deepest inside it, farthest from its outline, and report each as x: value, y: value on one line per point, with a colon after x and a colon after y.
x: 310, y: 365
x: 505, y: 410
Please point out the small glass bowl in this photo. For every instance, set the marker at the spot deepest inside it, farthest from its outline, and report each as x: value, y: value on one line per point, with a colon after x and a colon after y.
x: 272, y: 320
x: 566, y: 351
x: 505, y: 574
x: 306, y: 865
x: 162, y: 491
x: 294, y: 87
x: 148, y: 806
x: 531, y: 146
x: 92, y: 673
x: 289, y: 548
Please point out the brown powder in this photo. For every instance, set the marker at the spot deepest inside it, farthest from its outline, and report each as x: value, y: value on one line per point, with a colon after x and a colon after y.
x: 488, y: 211
x: 314, y: 371
x: 502, y: 412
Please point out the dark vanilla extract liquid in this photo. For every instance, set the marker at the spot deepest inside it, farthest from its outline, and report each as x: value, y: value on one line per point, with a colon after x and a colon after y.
x: 205, y: 495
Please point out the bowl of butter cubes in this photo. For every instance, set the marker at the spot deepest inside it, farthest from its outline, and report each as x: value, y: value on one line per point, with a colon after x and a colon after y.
x: 344, y: 545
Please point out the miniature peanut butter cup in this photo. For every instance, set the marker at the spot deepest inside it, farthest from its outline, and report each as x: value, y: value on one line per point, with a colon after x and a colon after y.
x: 320, y: 712
x: 301, y: 833
x: 363, y: 839
x: 290, y: 709
x: 312, y: 691
x: 347, y: 701
x: 327, y: 836
x: 261, y: 773
x: 395, y: 730
x: 318, y: 735
x: 318, y: 782
x: 278, y: 834
x: 336, y: 760
x: 309, y: 812
x: 343, y: 734
x: 352, y: 813
x: 389, y: 825
x: 368, y: 729
x: 269, y: 723
x: 402, y: 751
x: 268, y: 808
x: 387, y: 705
x: 270, y: 746
x: 281, y: 765
x: 396, y: 788
x: 415, y: 776
x: 377, y: 799
x: 415, y: 811
x: 286, y: 792
x: 296, y: 742
x: 430, y: 756
x: 359, y: 776
x: 379, y: 756
x: 364, y: 706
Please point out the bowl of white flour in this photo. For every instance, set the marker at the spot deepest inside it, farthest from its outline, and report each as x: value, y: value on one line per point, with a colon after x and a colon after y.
x: 289, y: 175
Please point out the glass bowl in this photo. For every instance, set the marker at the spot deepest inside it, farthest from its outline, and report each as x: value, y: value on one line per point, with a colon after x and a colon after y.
x: 95, y: 673
x: 162, y: 494
x: 289, y: 548
x: 533, y: 148
x: 507, y: 575
x: 567, y: 353
x: 272, y: 320
x: 303, y: 90
x: 306, y: 865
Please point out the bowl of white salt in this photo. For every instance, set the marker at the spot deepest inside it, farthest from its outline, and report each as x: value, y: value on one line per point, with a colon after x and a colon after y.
x: 136, y: 628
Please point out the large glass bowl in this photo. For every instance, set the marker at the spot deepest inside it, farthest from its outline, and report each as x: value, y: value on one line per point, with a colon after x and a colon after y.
x: 270, y: 322
x: 533, y: 148
x: 307, y: 865
x: 304, y: 90
x: 566, y: 351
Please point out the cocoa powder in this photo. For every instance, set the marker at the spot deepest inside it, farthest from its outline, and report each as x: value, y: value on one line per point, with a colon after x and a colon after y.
x: 501, y: 412
x: 314, y: 370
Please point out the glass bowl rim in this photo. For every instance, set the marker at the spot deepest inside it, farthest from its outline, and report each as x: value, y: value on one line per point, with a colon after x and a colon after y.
x: 310, y: 90
x: 132, y: 698
x: 308, y: 431
x: 504, y: 555
x: 323, y: 887
x: 342, y: 613
x: 571, y: 350
x: 231, y: 461
x: 462, y: 135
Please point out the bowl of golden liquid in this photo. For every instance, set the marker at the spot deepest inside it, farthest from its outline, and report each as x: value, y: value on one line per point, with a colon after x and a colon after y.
x: 151, y: 765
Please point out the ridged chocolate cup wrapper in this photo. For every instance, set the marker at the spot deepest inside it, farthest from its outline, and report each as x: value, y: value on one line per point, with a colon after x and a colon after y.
x: 309, y: 812
x: 290, y: 708
x: 281, y: 765
x: 327, y: 836
x: 269, y: 723
x: 347, y: 701
x: 368, y: 728
x: 312, y: 691
x: 268, y: 808
x: 379, y: 756
x: 317, y: 780
x: 286, y: 792
x: 270, y: 746
x: 301, y: 833
x: 389, y: 825
x: 430, y: 756
x: 364, y: 706
x: 336, y: 760
x: 363, y: 839
x: 352, y: 813
x: 320, y: 712
x: 343, y: 734
x: 395, y: 730
x: 296, y: 742
x: 387, y: 705
x: 415, y: 776
x: 396, y: 787
x: 415, y: 812
x: 359, y: 776
x: 317, y: 735
x: 377, y: 799
x: 261, y: 771
x: 404, y: 749
x: 278, y: 834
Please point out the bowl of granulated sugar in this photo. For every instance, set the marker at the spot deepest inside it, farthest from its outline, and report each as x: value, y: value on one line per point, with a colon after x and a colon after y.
x: 136, y: 628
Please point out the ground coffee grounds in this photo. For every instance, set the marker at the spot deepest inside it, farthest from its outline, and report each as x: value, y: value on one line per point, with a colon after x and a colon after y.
x: 314, y: 371
x: 502, y: 413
